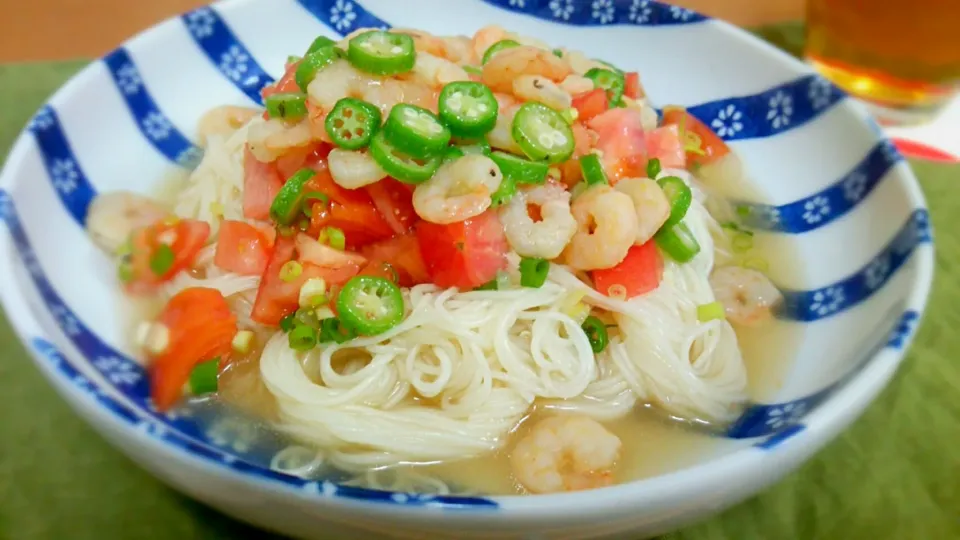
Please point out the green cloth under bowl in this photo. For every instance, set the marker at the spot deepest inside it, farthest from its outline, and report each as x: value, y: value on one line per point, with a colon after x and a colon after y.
x: 894, y: 475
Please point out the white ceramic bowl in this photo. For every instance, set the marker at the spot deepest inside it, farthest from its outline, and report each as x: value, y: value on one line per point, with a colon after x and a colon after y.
x: 838, y: 191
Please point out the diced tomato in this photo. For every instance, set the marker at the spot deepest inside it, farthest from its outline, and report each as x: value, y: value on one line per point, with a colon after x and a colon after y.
x: 622, y: 143
x: 403, y: 255
x: 200, y: 327
x: 287, y: 83
x: 632, y: 88
x: 350, y: 210
x: 261, y: 183
x: 638, y: 273
x: 312, y: 156
x: 664, y: 144
x: 712, y: 146
x: 242, y: 249
x: 590, y: 104
x: 277, y: 298
x: 184, y: 237
x: 465, y: 254
x: 394, y: 200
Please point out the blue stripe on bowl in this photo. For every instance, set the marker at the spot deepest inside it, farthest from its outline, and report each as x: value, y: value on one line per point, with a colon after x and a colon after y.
x: 854, y: 289
x: 155, y: 126
x: 161, y: 431
x: 770, y: 112
x: 760, y: 420
x: 824, y: 207
x: 68, y: 179
x: 227, y: 53
x: 602, y: 12
x: 343, y: 16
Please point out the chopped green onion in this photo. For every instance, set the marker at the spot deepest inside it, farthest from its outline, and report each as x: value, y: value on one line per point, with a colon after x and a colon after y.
x: 311, y: 198
x: 125, y: 272
x: 307, y: 317
x: 570, y: 115
x: 319, y: 43
x: 678, y: 242
x: 370, y: 305
x: 596, y: 333
x: 313, y: 293
x: 242, y: 341
x: 609, y: 80
x: 653, y: 168
x: 352, y: 123
x: 592, y: 170
x: 203, y: 377
x: 400, y: 165
x: 542, y: 133
x: 323, y: 312
x: 302, y: 338
x: 710, y: 312
x: 382, y: 53
x: 290, y: 271
x: 734, y: 226
x: 758, y: 264
x: 533, y: 272
x: 488, y: 286
x: 558, y: 53
x: 286, y: 106
x: 333, y: 237
x: 679, y: 195
x: 288, y: 203
x: 497, y: 47
x: 468, y: 108
x: 518, y: 170
x: 333, y: 330
x: 162, y: 259
x: 503, y: 194
x: 288, y: 322
x: 742, y: 242
x: 416, y: 131
x: 312, y: 64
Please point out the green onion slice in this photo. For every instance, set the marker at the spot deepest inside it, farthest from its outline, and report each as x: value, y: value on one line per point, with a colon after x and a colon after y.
x: 203, y: 377
x: 596, y: 333
x: 653, y: 168
x: 289, y: 106
x: 592, y: 169
x: 710, y: 312
x: 679, y: 195
x: 678, y: 242
x: 333, y: 330
x: 288, y: 203
x: 302, y: 338
x: 533, y: 272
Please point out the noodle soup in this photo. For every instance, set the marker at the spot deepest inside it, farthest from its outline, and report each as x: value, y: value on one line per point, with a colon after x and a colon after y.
x: 456, y: 264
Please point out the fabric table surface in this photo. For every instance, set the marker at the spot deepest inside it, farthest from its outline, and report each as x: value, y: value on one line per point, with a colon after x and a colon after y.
x: 895, y: 474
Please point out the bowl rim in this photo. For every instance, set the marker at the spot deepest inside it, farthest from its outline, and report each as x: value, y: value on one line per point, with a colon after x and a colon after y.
x: 715, y: 473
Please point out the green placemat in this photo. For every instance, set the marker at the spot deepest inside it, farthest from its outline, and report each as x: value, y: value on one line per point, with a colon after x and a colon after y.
x: 894, y: 475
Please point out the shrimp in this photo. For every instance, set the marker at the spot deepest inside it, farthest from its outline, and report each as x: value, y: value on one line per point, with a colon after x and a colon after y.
x: 501, y: 70
x: 545, y: 237
x: 389, y: 92
x: 423, y: 42
x: 353, y: 170
x: 223, y: 121
x: 650, y: 203
x: 580, y: 64
x: 501, y: 136
x: 576, y: 84
x: 459, y: 190
x: 747, y: 295
x: 566, y: 453
x: 436, y: 71
x: 113, y: 216
x: 335, y: 82
x: 273, y: 138
x: 606, y: 228
x: 537, y: 88
x: 485, y: 37
x: 459, y: 49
